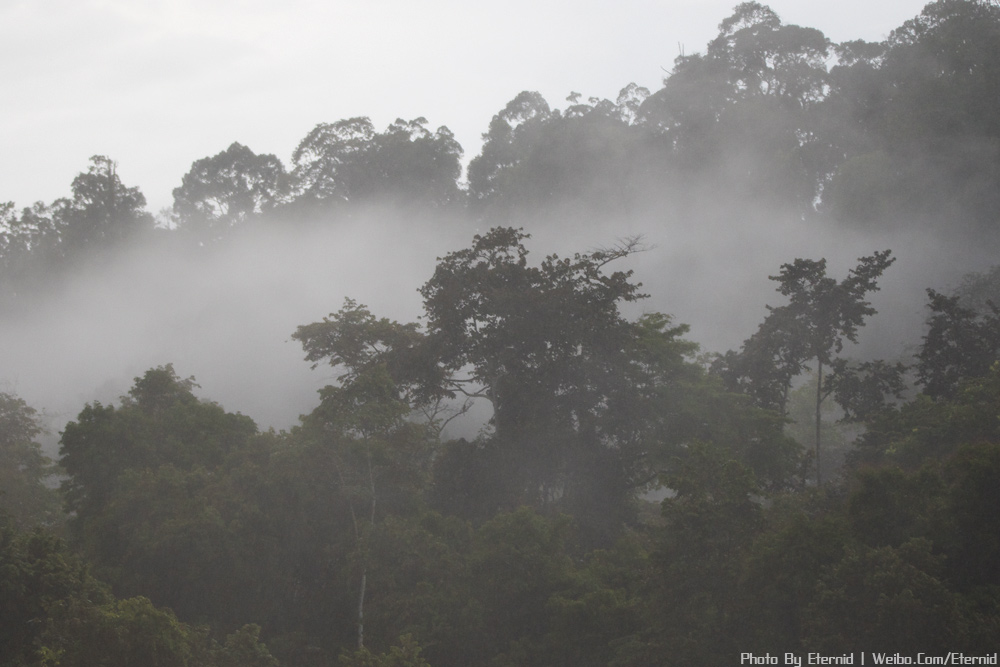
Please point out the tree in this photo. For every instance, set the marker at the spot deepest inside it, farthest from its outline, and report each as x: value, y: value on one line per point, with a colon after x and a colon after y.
x: 103, y: 211
x: 15, y: 246
x: 883, y: 599
x: 55, y: 612
x: 37, y: 572
x: 379, y: 455
x: 32, y: 248
x: 978, y: 289
x: 590, y: 158
x: 861, y: 390
x: 348, y: 161
x: 159, y: 422
x: 518, y: 562
x: 24, y: 470
x: 912, y: 122
x: 546, y: 346
x: 742, y: 116
x: 767, y: 363
x: 515, y: 124
x: 709, y: 524
x: 821, y: 314
x: 409, y: 164
x: 325, y: 156
x: 960, y: 344
x: 770, y: 59
x: 801, y: 540
x: 933, y: 428
x: 524, y: 331
x: 406, y: 654
x: 228, y: 189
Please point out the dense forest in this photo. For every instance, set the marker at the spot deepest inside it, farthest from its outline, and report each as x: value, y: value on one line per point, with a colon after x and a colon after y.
x: 625, y: 496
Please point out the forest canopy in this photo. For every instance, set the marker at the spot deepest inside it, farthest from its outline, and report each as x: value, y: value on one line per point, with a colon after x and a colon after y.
x: 624, y: 496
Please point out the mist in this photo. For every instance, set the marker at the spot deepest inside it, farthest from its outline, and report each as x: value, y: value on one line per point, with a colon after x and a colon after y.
x: 225, y: 314
x: 614, y: 495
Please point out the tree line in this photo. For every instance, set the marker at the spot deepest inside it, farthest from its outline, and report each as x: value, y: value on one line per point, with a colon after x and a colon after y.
x: 184, y: 534
x: 896, y: 133
x: 366, y: 536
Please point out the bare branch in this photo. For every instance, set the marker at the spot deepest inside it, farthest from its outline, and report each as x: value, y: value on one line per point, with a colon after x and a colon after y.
x: 624, y: 247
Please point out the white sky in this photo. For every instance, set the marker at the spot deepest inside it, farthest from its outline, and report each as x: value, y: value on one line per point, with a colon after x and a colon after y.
x: 158, y: 84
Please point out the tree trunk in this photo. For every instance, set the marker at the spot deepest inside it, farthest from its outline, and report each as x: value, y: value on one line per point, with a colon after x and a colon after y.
x: 819, y: 400
x: 364, y: 553
x: 361, y: 609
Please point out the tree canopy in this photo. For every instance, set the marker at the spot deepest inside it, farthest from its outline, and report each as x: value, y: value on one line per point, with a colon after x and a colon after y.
x: 536, y: 471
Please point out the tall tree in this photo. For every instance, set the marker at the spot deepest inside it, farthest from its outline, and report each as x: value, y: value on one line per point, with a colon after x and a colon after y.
x: 742, y: 115
x: 767, y: 58
x: 591, y: 158
x: 518, y: 120
x: 228, y: 189
x: 821, y: 314
x: 961, y: 344
x: 348, y: 161
x: 102, y: 211
x: 380, y: 457
x: 159, y: 422
x: 913, y: 121
x: 549, y: 349
x: 24, y: 469
x: 324, y: 158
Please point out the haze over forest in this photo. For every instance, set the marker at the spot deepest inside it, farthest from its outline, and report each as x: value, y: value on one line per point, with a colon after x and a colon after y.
x: 771, y: 161
x: 721, y: 204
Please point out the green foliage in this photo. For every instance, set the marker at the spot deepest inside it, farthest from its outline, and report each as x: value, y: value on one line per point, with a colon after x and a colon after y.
x: 836, y: 436
x: 823, y: 311
x: 159, y: 422
x: 912, y: 117
x: 978, y: 289
x: 144, y: 490
x: 348, y: 161
x: 55, y: 613
x: 924, y: 428
x: 972, y: 525
x: 960, y: 344
x: 741, y: 117
x: 103, y: 212
x: 709, y: 524
x: 884, y: 599
x: 36, y: 572
x: 887, y: 507
x: 24, y: 470
x: 228, y: 190
x: 406, y: 654
x: 601, y: 608
x: 545, y: 346
x: 777, y: 582
x: 419, y: 582
x: 591, y: 157
x: 821, y: 314
x: 356, y: 342
x: 243, y: 649
x: 322, y: 536
x: 861, y: 390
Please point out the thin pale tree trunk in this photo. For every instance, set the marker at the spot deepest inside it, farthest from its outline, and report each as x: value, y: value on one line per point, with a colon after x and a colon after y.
x: 819, y: 400
x: 361, y: 609
x: 364, y: 555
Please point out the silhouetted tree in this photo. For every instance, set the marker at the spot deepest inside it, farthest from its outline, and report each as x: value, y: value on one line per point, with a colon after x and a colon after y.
x: 227, y: 190
x: 960, y: 344
x: 821, y: 314
x: 103, y: 212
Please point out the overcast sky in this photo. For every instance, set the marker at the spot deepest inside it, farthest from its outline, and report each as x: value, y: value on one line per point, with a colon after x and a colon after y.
x: 158, y: 84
